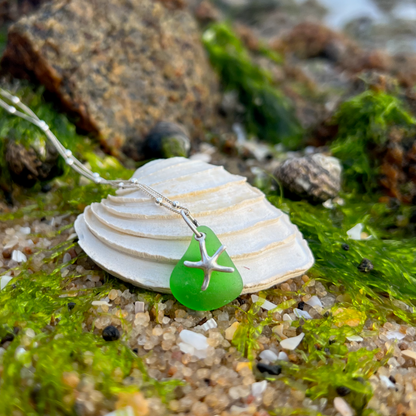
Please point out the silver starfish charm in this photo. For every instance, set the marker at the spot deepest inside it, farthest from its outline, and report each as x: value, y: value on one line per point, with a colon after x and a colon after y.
x: 208, y: 264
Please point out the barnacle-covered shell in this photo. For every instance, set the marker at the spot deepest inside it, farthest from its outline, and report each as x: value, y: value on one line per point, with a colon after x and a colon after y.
x: 140, y: 242
x: 316, y: 177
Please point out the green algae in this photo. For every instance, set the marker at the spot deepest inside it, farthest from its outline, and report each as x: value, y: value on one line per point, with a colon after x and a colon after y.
x: 269, y: 115
x: 364, y: 123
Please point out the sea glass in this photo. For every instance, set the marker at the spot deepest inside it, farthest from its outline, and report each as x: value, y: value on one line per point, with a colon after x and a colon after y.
x: 186, y: 282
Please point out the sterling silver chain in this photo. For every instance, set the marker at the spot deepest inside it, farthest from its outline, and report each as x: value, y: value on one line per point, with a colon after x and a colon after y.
x: 14, y: 106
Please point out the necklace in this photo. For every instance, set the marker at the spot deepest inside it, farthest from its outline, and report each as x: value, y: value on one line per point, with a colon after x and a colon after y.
x: 205, y: 278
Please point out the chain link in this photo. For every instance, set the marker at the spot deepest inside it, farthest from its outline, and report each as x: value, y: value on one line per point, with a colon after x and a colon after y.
x: 14, y: 106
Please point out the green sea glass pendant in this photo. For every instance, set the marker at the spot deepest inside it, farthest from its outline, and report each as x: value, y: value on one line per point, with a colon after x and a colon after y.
x: 189, y: 276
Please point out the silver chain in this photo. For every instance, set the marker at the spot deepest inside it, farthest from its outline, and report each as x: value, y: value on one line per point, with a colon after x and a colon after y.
x: 14, y: 106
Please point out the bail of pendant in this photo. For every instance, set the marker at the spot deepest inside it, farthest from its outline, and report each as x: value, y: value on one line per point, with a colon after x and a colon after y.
x: 208, y: 283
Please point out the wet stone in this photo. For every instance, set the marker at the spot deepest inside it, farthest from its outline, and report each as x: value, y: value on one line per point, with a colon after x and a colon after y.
x: 274, y: 370
x: 110, y: 333
x: 365, y: 266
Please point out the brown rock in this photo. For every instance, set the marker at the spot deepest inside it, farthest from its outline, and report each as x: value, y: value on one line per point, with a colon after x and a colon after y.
x: 117, y: 66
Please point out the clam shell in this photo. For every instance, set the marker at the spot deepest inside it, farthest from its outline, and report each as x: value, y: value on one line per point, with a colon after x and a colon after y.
x: 140, y: 242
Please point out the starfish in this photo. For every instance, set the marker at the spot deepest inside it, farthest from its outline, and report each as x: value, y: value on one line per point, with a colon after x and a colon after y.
x: 208, y: 264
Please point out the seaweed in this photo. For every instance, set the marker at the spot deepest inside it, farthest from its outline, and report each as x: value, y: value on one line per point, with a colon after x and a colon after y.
x: 364, y: 123
x: 269, y: 115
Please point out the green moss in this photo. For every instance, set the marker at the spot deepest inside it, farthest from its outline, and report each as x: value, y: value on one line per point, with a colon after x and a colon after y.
x: 268, y: 113
x: 364, y: 124
x: 394, y: 271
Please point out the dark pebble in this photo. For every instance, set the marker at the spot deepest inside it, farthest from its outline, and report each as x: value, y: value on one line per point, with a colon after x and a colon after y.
x: 111, y: 333
x: 359, y: 379
x: 365, y: 266
x: 343, y: 391
x: 327, y: 350
x: 207, y: 381
x: 46, y: 188
x: 326, y: 314
x: 7, y: 253
x: 392, y: 379
x: 299, y: 330
x: 332, y: 341
x: 274, y: 370
x: 7, y: 338
x: 346, y: 247
x: 135, y: 350
x: 301, y: 305
x: 71, y: 305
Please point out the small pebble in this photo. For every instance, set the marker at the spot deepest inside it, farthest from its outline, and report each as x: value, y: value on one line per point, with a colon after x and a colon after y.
x: 210, y: 324
x: 71, y: 305
x: 4, y: 281
x: 365, y: 266
x: 342, y: 406
x: 110, y: 333
x: 18, y: 256
x: 301, y: 305
x: 343, y: 391
x: 268, y: 355
x: 387, y: 382
x: 274, y: 370
x: 314, y: 301
x: 268, y: 306
x: 258, y: 388
x: 345, y: 247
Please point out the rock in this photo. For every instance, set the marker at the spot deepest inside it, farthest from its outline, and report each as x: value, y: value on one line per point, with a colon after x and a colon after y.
x: 268, y: 355
x: 27, y: 166
x: 316, y: 177
x: 118, y: 68
x: 343, y: 391
x: 166, y: 140
x: 11, y: 10
x: 342, y: 406
x: 355, y: 338
x: 274, y: 370
x: 409, y: 353
x: 230, y: 331
x: 111, y: 333
x: 258, y: 388
x: 365, y: 266
x: 198, y: 341
x: 268, y: 306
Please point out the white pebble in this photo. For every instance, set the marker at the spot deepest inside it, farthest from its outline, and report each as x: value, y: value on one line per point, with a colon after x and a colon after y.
x: 18, y: 256
x: 409, y: 353
x: 30, y: 333
x: 265, y: 305
x: 282, y: 356
x: 258, y: 388
x: 292, y: 343
x: 314, y: 301
x: 71, y: 237
x: 198, y: 341
x: 342, y: 406
x: 355, y: 232
x: 99, y: 303
x: 4, y: 281
x: 67, y: 258
x: 286, y: 317
x: 301, y: 314
x: 19, y: 352
x: 355, y: 338
x: 25, y: 230
x: 395, y: 335
x: 268, y: 355
x: 210, y: 324
x: 387, y: 382
x: 125, y: 411
x: 186, y: 348
x: 138, y: 307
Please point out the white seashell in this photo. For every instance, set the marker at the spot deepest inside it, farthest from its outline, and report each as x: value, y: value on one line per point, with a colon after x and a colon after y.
x: 134, y: 239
